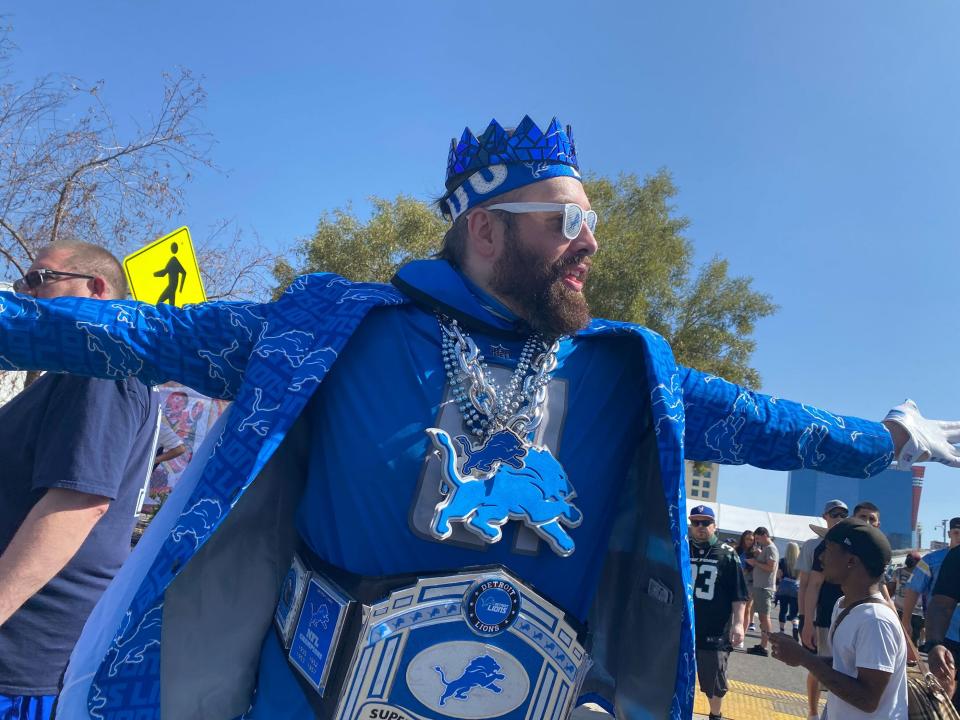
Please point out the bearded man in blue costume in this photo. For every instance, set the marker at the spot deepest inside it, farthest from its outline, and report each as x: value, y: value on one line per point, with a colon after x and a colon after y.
x: 453, y: 496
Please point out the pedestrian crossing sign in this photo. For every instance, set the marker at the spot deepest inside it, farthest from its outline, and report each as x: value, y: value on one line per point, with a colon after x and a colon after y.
x: 166, y: 271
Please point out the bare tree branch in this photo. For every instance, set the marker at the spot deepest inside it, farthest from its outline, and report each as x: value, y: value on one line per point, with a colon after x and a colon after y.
x: 69, y: 169
x: 234, y: 267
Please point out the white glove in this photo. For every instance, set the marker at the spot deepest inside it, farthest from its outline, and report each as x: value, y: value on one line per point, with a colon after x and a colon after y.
x: 930, y: 440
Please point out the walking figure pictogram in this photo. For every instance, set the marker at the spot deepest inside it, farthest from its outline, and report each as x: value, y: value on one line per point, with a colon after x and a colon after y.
x: 174, y: 272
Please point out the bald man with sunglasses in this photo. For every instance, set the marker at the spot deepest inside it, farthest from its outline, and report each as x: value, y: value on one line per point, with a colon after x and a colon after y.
x: 76, y: 451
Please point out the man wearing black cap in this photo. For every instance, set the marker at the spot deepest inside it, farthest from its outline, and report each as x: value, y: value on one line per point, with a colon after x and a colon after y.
x: 719, y: 594
x: 867, y: 674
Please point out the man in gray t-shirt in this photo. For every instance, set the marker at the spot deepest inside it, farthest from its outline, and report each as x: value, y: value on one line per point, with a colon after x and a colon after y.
x: 764, y: 585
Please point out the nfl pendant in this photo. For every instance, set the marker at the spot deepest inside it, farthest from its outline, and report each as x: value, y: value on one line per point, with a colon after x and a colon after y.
x: 505, y: 478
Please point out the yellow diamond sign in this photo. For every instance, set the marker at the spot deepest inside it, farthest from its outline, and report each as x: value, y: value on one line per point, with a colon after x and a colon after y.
x: 166, y: 271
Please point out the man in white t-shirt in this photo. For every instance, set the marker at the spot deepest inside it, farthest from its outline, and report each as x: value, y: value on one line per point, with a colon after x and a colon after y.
x: 867, y: 677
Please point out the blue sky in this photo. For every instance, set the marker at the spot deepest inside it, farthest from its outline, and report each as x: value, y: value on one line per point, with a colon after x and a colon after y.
x: 814, y: 144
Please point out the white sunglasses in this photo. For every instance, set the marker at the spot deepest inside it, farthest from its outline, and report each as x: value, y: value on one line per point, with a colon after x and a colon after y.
x: 574, y: 216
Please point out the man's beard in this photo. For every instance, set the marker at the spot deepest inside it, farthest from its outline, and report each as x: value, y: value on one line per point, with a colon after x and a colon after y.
x: 535, y: 290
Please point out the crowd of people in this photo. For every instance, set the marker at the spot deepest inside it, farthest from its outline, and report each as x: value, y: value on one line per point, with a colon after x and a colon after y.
x: 844, y: 576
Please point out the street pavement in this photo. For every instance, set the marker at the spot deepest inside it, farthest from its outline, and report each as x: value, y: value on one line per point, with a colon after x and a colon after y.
x: 766, y: 671
x: 761, y: 688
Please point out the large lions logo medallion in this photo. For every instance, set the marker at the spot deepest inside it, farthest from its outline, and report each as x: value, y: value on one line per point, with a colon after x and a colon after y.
x: 504, y: 479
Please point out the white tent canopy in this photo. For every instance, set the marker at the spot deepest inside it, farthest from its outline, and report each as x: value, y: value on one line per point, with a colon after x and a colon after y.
x: 733, y: 520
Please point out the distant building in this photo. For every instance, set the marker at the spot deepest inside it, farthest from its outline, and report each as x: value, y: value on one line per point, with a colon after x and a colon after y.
x: 895, y: 492
x: 702, y: 480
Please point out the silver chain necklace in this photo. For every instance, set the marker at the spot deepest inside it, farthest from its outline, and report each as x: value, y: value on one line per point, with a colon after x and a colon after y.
x: 485, y: 406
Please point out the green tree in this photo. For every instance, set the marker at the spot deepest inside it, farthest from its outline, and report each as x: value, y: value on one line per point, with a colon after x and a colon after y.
x: 644, y: 272
x: 397, y: 231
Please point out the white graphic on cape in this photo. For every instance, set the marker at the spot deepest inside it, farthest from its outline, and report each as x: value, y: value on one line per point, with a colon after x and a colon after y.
x: 667, y: 402
x: 299, y: 285
x: 218, y: 444
x: 388, y: 296
x: 535, y: 491
x: 808, y: 446
x: 121, y: 361
x: 295, y: 347
x: 256, y: 420
x: 197, y: 521
x: 131, y: 648
x: 745, y: 403
x: 721, y: 437
x: 127, y: 649
x: 365, y: 291
x: 710, y: 378
x: 303, y: 382
x: 825, y: 417
x: 97, y: 702
x: 878, y: 464
x: 27, y: 307
x: 127, y: 315
x: 220, y: 366
x: 6, y: 364
x: 242, y: 316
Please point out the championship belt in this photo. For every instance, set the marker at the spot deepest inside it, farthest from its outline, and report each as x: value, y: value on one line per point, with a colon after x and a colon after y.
x: 476, y: 644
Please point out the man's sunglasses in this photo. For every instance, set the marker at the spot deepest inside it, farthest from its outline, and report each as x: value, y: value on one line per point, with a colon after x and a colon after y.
x: 35, y: 278
x: 701, y: 523
x: 838, y: 513
x: 574, y: 216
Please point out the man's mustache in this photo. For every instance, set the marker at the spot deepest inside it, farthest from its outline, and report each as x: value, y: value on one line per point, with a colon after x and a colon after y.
x: 580, y: 258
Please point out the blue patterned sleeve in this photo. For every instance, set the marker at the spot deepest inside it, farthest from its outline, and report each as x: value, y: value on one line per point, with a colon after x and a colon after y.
x: 729, y: 424
x: 205, y: 346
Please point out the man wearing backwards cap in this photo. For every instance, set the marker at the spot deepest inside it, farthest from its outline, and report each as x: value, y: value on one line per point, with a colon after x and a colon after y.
x: 719, y: 596
x: 384, y: 438
x: 867, y: 675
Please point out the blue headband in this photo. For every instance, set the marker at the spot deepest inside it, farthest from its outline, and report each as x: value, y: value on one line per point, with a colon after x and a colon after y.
x: 497, y: 162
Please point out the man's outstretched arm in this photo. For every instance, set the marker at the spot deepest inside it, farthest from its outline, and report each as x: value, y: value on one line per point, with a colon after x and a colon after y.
x: 50, y: 535
x: 205, y: 346
x: 730, y: 424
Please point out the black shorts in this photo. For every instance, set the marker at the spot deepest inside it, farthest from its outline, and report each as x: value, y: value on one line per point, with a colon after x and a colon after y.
x: 712, y: 671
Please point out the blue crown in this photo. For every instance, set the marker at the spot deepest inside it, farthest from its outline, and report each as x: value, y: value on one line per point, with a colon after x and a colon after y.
x: 498, y: 162
x: 495, y: 147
